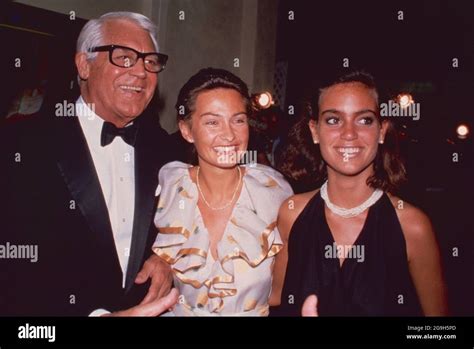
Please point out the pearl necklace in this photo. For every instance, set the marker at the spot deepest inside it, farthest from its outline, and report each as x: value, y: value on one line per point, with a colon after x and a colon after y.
x: 349, y: 212
x: 233, y: 195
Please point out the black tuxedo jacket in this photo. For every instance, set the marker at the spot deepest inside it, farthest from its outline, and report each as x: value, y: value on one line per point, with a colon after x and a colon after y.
x: 51, y: 198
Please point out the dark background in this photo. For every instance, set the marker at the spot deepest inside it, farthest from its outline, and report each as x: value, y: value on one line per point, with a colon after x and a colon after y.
x: 45, y: 41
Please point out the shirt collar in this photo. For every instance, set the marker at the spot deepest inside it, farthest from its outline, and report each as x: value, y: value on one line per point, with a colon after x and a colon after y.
x: 90, y: 122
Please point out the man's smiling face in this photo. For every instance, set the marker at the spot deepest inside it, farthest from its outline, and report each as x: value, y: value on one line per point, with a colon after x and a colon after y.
x: 118, y: 94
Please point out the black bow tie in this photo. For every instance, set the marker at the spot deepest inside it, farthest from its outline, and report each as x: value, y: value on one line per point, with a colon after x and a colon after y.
x: 109, y: 132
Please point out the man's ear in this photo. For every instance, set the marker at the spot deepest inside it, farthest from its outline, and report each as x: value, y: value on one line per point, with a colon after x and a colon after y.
x: 185, y: 128
x: 82, y: 65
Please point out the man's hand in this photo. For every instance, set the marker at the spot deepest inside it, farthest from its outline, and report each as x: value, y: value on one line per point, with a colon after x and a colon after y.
x: 161, y: 278
x: 153, y: 308
x: 310, y: 306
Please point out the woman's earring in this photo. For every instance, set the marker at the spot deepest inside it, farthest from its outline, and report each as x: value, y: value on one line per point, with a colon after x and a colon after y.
x: 315, y: 141
x: 381, y: 141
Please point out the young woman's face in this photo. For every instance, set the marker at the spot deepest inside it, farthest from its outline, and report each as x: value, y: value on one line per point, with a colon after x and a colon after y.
x: 218, y: 127
x: 348, y: 130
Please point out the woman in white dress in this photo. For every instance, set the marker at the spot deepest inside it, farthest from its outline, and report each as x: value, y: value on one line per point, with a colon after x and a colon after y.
x: 217, y: 220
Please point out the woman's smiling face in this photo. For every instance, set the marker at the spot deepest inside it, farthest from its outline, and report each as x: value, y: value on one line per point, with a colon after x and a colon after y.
x: 348, y: 130
x: 218, y: 127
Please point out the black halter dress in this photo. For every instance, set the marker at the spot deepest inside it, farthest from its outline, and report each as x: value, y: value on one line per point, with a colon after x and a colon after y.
x: 374, y: 282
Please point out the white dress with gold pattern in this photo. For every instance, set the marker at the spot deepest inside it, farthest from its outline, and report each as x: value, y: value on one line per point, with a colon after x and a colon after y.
x: 239, y: 281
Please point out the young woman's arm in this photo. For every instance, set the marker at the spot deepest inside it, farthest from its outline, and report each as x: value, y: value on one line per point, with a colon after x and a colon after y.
x: 424, y: 261
x: 289, y: 211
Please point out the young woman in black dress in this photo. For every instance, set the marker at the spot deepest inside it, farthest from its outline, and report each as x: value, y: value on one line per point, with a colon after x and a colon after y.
x: 361, y: 250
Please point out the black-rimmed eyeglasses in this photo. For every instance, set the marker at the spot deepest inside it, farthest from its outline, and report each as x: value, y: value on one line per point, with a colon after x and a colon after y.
x: 126, y: 57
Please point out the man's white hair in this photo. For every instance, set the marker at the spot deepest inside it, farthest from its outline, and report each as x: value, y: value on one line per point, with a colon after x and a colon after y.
x: 92, y: 34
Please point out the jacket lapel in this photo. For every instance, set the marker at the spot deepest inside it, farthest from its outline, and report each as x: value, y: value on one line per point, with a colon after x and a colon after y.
x: 77, y: 168
x: 146, y: 181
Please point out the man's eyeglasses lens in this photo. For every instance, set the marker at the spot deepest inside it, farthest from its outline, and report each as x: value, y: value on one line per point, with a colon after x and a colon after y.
x: 128, y: 58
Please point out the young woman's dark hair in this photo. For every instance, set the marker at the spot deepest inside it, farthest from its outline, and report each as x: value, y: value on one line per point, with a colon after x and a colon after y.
x: 303, y: 165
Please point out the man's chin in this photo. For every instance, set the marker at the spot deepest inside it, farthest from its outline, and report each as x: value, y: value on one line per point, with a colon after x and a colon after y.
x: 130, y: 109
x: 130, y: 115
x: 124, y: 120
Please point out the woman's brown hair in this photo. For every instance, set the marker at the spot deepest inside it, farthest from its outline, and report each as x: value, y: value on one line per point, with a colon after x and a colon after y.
x: 303, y: 165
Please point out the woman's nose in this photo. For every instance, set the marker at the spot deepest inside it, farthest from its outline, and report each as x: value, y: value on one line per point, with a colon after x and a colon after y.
x: 348, y: 131
x: 228, y: 133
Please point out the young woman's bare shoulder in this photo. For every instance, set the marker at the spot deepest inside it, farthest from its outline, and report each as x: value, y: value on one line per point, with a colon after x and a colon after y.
x: 416, y: 225
x: 408, y: 214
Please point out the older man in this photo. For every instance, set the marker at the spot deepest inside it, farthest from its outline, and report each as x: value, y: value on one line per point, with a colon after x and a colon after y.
x: 82, y: 190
